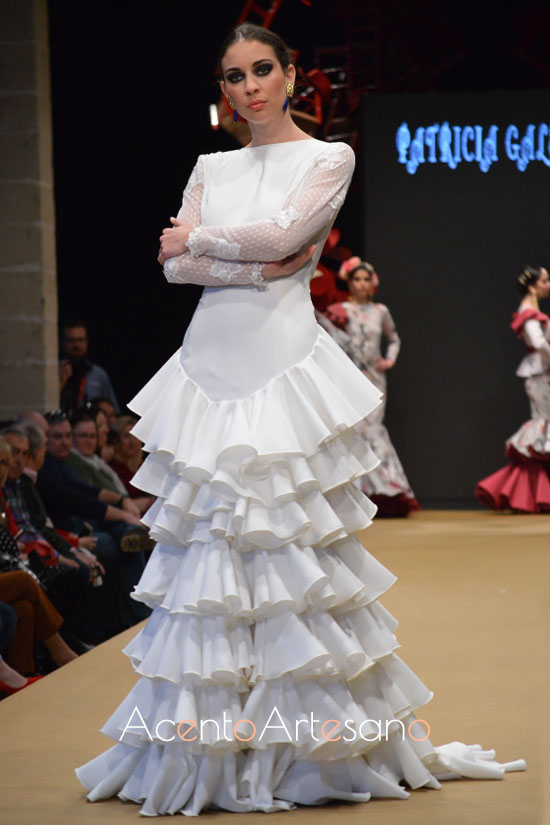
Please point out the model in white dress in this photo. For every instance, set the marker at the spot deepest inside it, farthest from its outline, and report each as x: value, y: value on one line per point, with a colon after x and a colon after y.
x: 264, y: 604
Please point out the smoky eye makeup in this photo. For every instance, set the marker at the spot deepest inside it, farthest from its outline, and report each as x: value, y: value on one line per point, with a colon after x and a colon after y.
x: 260, y: 69
x: 233, y: 77
x: 263, y: 68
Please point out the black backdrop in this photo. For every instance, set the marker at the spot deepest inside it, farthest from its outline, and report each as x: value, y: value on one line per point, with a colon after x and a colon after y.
x: 132, y: 81
x: 448, y: 245
x: 131, y: 84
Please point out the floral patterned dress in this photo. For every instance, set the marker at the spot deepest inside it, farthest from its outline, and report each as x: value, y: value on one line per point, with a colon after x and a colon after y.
x: 524, y: 484
x: 365, y: 325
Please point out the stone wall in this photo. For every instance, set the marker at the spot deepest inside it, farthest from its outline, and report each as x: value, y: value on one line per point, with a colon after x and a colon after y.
x: 28, y: 282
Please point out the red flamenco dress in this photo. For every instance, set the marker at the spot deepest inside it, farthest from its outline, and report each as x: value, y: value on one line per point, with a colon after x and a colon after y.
x: 524, y: 484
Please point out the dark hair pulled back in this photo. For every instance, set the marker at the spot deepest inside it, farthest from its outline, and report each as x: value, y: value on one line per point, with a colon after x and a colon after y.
x: 528, y: 277
x: 365, y: 266
x: 250, y: 31
x: 80, y: 416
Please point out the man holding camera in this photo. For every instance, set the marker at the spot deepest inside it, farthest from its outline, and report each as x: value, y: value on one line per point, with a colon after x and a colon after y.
x: 80, y: 379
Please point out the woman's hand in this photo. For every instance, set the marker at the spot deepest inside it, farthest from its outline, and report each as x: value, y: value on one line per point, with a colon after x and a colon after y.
x: 173, y: 240
x: 338, y: 315
x: 288, y: 266
x: 384, y: 364
x: 89, y: 560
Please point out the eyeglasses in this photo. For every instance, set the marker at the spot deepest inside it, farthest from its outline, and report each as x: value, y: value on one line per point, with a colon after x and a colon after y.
x: 56, y: 416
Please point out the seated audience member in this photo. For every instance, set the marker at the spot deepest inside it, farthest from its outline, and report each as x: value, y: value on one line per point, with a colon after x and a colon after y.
x: 81, y: 380
x: 11, y: 551
x: 103, y: 433
x: 34, y: 418
x: 37, y: 618
x: 107, y: 407
x: 78, y: 498
x: 71, y: 502
x: 85, y: 462
x: 84, y: 459
x: 18, y: 488
x: 37, y: 621
x: 67, y: 580
x: 80, y: 547
x: 37, y: 447
x: 128, y: 453
x: 10, y: 680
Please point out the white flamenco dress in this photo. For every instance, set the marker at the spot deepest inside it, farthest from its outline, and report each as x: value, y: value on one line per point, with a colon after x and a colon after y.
x: 264, y: 604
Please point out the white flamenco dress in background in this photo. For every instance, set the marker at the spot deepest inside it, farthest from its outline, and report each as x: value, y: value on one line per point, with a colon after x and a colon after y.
x: 264, y: 604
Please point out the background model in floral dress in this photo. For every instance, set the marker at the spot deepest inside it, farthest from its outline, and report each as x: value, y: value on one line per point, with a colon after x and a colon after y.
x: 524, y: 484
x: 366, y: 323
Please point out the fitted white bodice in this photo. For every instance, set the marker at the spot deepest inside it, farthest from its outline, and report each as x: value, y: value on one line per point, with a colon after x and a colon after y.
x: 241, y: 336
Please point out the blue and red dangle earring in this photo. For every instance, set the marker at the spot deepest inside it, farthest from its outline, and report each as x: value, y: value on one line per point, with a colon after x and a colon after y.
x: 289, y: 92
x: 235, y: 113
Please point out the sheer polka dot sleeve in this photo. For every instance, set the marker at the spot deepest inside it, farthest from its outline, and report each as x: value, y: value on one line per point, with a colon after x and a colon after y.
x: 310, y: 208
x: 207, y: 271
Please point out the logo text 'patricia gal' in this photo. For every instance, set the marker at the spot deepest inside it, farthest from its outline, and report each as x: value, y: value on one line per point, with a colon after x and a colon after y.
x: 484, y: 145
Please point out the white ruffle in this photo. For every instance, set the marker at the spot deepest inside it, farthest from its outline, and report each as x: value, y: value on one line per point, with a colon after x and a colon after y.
x: 276, y: 467
x: 532, y: 440
x: 167, y: 782
x: 261, y: 599
x: 180, y: 647
x: 217, y: 579
x: 293, y: 415
x: 370, y: 696
x: 276, y: 773
x: 201, y: 649
x: 456, y: 760
x: 317, y: 519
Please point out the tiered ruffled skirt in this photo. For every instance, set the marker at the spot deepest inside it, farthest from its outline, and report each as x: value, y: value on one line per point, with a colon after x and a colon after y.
x: 524, y: 484
x: 264, y: 607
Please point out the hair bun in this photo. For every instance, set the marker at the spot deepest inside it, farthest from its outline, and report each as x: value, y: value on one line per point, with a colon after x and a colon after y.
x: 528, y: 277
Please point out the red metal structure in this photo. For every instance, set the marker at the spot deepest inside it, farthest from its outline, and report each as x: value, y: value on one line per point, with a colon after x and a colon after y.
x: 264, y: 12
x: 391, y: 46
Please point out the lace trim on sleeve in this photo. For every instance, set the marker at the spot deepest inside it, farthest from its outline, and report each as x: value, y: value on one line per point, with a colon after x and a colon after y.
x: 171, y: 269
x: 256, y: 276
x: 207, y: 271
x: 286, y: 217
x: 336, y: 156
x: 220, y: 248
x: 226, y: 271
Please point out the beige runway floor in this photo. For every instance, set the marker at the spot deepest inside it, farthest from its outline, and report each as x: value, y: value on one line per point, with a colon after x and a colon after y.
x: 473, y: 604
